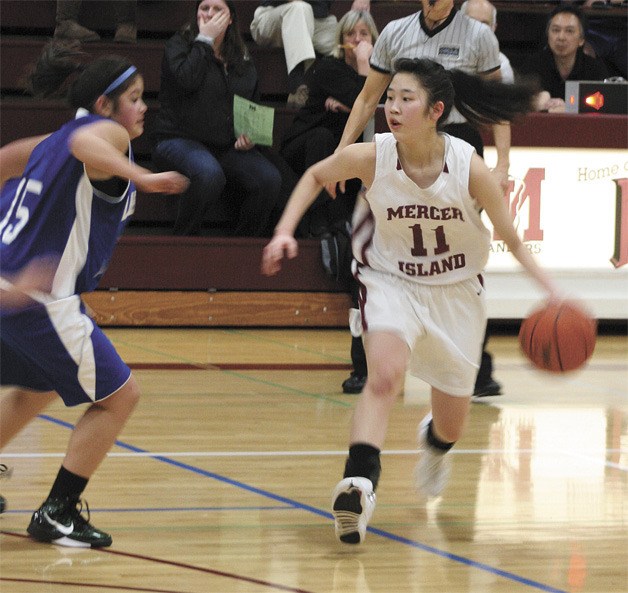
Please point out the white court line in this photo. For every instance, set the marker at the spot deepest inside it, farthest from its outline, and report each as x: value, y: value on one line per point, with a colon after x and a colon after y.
x: 232, y: 454
x: 266, y: 453
x: 597, y: 461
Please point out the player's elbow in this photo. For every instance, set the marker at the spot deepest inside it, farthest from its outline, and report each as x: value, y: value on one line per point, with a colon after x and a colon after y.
x: 314, y: 177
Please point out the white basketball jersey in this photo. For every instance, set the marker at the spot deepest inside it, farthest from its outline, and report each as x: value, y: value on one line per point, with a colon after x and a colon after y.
x: 431, y: 236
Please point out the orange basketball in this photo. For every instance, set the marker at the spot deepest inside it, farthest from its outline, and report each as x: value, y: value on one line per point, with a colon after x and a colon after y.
x: 558, y: 337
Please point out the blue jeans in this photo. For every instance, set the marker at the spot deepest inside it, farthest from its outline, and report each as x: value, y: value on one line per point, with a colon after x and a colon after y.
x: 246, y: 178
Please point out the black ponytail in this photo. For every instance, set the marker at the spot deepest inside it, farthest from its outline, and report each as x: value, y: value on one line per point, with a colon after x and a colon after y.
x: 478, y: 100
x: 482, y: 101
x: 60, y: 71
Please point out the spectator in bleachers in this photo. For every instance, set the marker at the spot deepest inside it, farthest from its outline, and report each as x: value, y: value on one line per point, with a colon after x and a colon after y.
x: 563, y: 58
x: 606, y: 38
x: 485, y: 12
x: 334, y: 82
x: 68, y: 27
x: 304, y: 29
x: 204, y: 66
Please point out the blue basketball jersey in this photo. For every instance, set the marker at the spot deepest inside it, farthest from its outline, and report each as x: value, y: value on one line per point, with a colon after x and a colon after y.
x: 54, y: 210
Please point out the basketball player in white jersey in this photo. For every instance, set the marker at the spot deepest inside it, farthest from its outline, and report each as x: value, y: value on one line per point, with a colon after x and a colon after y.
x: 65, y: 200
x: 419, y: 247
x: 441, y: 33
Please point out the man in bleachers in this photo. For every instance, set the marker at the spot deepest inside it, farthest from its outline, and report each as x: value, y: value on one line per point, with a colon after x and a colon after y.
x: 68, y: 27
x: 563, y: 58
x: 485, y: 12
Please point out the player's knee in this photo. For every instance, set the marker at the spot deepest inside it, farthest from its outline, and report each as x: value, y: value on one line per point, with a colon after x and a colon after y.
x: 386, y: 382
x: 132, y: 396
x: 123, y: 402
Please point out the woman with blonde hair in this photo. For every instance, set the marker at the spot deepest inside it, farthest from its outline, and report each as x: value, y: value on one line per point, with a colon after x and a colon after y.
x: 334, y: 82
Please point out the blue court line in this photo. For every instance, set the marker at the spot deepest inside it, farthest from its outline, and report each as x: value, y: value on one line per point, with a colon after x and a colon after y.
x: 310, y: 509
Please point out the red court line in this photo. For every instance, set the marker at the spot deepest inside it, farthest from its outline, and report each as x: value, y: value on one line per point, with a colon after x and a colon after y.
x: 90, y: 585
x: 219, y: 573
x: 244, y: 366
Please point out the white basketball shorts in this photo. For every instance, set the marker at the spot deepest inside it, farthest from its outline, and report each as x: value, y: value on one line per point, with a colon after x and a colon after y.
x: 443, y: 325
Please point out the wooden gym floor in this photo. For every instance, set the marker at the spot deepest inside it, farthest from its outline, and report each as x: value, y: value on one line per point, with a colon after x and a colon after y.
x: 221, y: 481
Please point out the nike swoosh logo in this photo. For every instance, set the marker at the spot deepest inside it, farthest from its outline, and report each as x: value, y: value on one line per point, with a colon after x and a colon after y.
x: 65, y: 529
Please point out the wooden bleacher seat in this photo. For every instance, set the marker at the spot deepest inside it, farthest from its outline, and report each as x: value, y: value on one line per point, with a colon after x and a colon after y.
x: 155, y: 18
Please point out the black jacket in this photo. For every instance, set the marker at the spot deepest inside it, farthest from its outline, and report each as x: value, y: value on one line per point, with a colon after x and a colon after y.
x: 196, y: 94
x: 543, y: 65
x: 327, y: 77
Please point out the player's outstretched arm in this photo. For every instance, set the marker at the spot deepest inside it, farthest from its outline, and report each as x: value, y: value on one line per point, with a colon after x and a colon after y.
x: 283, y: 242
x: 364, y: 106
x: 357, y: 160
x: 102, y: 146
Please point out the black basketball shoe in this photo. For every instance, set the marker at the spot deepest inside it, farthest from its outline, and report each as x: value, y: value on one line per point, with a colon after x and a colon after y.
x: 59, y: 521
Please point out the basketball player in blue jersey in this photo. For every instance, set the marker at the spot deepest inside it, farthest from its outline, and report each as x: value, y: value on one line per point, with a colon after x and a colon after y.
x: 420, y: 247
x: 65, y: 200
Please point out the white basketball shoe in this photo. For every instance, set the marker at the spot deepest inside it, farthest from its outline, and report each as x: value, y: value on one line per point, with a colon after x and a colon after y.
x: 353, y: 503
x: 432, y: 470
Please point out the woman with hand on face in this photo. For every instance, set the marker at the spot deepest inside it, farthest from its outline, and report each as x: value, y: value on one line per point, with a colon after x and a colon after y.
x: 204, y: 66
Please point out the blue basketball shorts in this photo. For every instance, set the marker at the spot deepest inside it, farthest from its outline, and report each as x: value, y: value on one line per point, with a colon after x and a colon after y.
x: 57, y: 347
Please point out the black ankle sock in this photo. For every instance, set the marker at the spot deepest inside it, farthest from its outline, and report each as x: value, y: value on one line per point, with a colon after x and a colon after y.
x: 435, y: 442
x: 296, y: 77
x: 363, y: 461
x: 68, y: 485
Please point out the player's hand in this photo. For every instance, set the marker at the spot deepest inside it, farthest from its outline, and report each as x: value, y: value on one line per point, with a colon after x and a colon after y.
x: 361, y: 5
x: 500, y: 174
x: 281, y: 244
x: 37, y: 276
x: 169, y: 182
